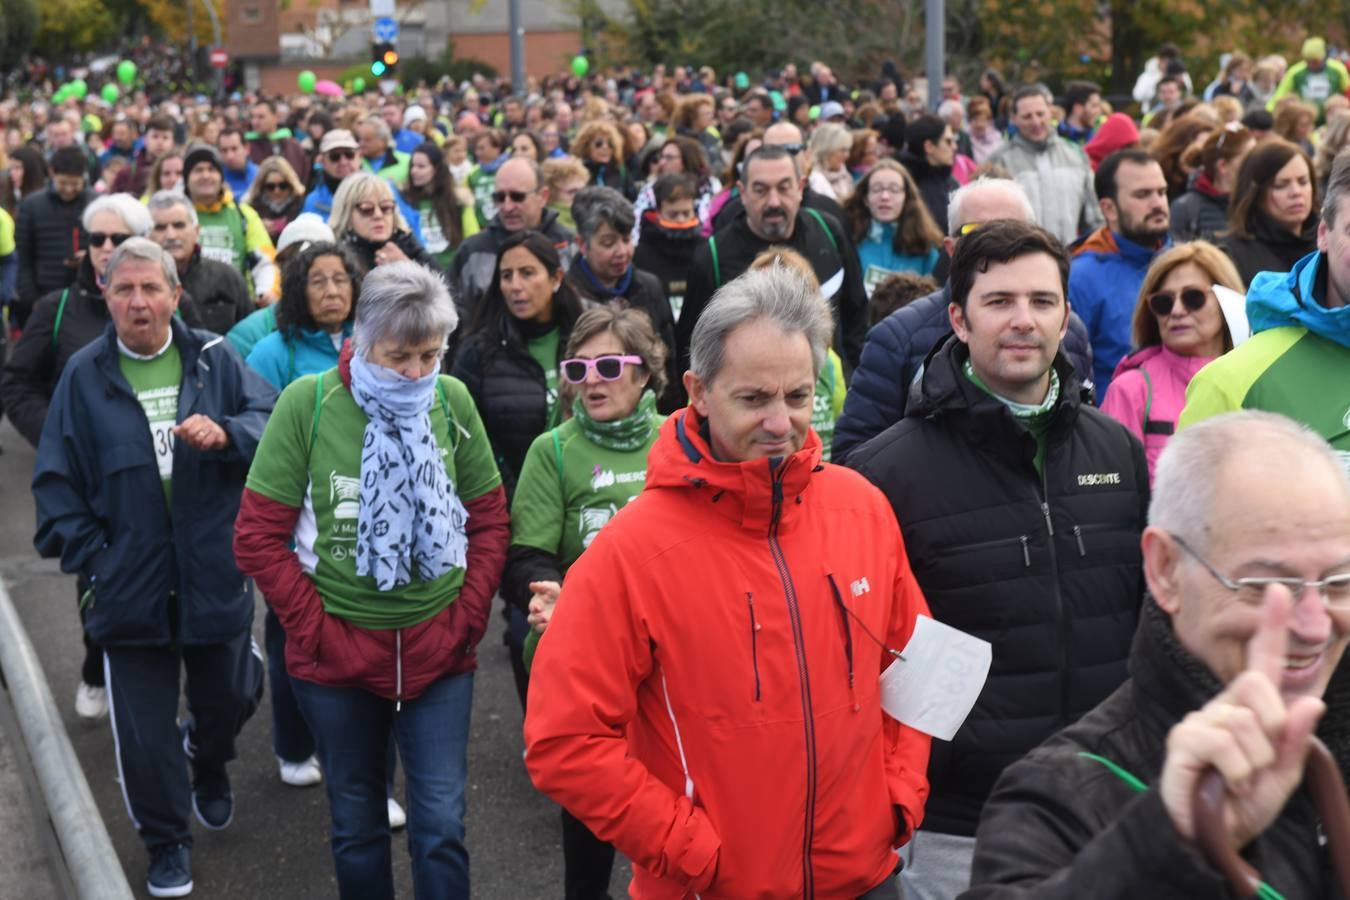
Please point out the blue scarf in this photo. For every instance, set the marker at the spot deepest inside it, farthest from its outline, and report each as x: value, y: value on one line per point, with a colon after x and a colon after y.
x: 409, y: 510
x: 618, y: 290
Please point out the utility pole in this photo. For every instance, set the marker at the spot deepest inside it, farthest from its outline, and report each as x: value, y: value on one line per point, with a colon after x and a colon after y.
x: 192, y: 48
x: 517, y: 48
x: 934, y: 55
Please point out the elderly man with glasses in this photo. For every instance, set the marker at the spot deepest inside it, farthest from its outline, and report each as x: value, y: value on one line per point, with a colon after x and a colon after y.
x: 1247, y: 560
x: 521, y: 200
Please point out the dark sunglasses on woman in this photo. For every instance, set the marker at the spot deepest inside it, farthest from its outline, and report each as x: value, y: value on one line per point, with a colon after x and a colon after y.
x: 1162, y: 302
x: 97, y: 238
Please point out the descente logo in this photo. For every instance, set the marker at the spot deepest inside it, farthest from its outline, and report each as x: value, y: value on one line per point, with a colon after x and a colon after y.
x: 1096, y: 478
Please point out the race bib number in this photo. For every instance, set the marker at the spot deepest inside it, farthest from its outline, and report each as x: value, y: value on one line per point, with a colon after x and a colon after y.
x: 874, y: 276
x: 161, y: 435
x: 934, y: 686
x: 433, y: 237
x: 216, y: 244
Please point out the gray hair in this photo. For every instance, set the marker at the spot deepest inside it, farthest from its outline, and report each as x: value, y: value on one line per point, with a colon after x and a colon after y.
x: 380, y: 125
x: 947, y: 108
x: 166, y: 200
x: 142, y: 249
x: 1186, y: 481
x: 956, y: 219
x: 1337, y: 183
x: 778, y: 293
x: 596, y: 206
x: 125, y: 207
x: 827, y: 138
x: 404, y: 302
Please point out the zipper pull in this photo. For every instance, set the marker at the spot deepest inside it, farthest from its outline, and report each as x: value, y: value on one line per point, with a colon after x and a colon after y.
x: 1078, y: 534
x: 1049, y: 524
x: 1026, y: 551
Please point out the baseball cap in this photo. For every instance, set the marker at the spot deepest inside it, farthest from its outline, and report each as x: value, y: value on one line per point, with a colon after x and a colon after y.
x: 831, y: 109
x: 337, y: 139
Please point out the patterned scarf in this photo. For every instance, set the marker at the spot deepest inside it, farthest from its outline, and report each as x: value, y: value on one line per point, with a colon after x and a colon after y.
x: 628, y: 433
x: 409, y: 510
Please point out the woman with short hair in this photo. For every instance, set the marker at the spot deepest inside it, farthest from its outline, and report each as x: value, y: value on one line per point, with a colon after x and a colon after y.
x: 380, y: 472
x: 828, y: 149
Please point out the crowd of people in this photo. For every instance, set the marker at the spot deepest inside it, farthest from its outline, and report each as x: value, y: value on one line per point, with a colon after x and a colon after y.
x: 724, y: 388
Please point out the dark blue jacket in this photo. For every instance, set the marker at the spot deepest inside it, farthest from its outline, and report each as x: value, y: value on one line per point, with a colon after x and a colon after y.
x: 159, y: 576
x: 893, y: 356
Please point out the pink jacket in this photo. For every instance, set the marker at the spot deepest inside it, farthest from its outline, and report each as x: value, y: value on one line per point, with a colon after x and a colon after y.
x: 1147, y: 393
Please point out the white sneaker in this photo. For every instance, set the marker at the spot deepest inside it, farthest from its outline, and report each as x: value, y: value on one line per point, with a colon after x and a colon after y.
x: 300, y: 774
x: 91, y: 702
x: 397, y: 817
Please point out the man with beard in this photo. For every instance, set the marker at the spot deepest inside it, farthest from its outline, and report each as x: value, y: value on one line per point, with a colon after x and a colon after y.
x: 220, y: 291
x: 771, y: 187
x: 1109, y: 264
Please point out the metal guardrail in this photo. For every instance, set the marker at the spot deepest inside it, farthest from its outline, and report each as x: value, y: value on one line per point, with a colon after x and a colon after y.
x: 88, y: 852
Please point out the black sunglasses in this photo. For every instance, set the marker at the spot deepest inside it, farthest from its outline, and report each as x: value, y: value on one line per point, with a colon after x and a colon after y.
x: 276, y: 187
x: 98, y: 238
x: 499, y: 197
x: 339, y: 155
x: 1162, y: 302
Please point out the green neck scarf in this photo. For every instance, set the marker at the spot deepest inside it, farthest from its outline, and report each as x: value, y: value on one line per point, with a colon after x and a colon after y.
x: 628, y: 433
x: 1034, y: 417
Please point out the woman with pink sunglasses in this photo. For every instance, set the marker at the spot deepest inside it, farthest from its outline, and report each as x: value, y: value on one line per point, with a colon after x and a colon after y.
x: 576, y: 477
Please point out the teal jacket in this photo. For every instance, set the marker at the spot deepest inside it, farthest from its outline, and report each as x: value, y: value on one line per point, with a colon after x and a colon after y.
x: 282, y: 358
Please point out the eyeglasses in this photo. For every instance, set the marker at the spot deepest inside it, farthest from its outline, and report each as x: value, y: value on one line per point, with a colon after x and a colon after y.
x: 1162, y: 303
x: 276, y: 187
x: 500, y: 197
x: 968, y: 228
x: 609, y: 368
x: 599, y: 143
x: 792, y: 149
x: 340, y: 155
x: 99, y: 238
x: 322, y: 282
x: 1334, y: 590
x: 876, y: 190
x: 369, y: 209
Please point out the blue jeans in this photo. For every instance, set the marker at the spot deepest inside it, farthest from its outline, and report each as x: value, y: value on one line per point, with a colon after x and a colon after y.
x: 351, y: 729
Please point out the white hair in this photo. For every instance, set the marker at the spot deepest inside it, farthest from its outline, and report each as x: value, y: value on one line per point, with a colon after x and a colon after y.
x: 955, y: 218
x: 126, y: 207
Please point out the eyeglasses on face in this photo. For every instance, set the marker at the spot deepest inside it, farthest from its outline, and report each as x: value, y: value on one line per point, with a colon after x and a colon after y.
x: 877, y: 189
x: 1163, y: 302
x: 340, y: 155
x: 609, y: 367
x: 368, y: 210
x: 500, y: 197
x: 99, y: 238
x: 276, y: 187
x: 1334, y: 589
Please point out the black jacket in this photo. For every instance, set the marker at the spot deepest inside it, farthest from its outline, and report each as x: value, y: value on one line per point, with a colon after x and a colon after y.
x: 1060, y: 825
x: 36, y: 362
x: 612, y: 175
x: 935, y: 186
x: 644, y: 293
x: 510, y: 391
x: 1045, y: 568
x: 220, y: 293
x: 892, y: 357
x: 471, y: 270
x: 1197, y: 216
x: 668, y: 253
x: 830, y: 253
x: 47, y: 236
x: 364, y: 250
x: 1271, y: 248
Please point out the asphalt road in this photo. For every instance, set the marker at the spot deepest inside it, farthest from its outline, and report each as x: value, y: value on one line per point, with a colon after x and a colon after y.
x: 277, y: 846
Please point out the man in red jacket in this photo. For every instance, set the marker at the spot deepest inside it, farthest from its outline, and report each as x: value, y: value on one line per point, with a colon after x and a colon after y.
x: 706, y: 695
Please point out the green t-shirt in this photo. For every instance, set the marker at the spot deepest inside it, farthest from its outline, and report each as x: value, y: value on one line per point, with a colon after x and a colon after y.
x: 544, y: 349
x: 155, y: 382
x: 323, y: 480
x: 560, y: 511
x: 828, y: 401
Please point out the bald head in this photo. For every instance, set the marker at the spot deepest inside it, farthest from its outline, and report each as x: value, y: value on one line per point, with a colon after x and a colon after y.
x: 782, y: 133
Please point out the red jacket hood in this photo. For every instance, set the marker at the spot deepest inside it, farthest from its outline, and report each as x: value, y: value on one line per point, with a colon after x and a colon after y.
x: 1116, y: 133
x: 682, y: 459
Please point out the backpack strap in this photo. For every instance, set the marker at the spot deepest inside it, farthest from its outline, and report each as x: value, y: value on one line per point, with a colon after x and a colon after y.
x: 60, y: 311
x: 1153, y: 426
x: 717, y: 267
x: 290, y: 358
x: 829, y: 232
x: 318, y: 408
x: 557, y: 453
x: 452, y: 431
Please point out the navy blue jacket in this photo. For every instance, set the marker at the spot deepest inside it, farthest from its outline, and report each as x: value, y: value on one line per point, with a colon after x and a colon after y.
x: 893, y: 356
x: 159, y: 576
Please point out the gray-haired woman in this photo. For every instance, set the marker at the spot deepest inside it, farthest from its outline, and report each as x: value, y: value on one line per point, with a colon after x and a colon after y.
x: 379, y: 470
x: 61, y: 323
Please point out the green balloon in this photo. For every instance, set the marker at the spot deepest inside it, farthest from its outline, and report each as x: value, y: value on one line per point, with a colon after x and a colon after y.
x: 306, y: 81
x: 126, y: 72
x: 111, y: 93
x: 78, y: 88
x: 580, y: 66
x: 60, y: 95
x: 358, y: 84
x: 779, y: 102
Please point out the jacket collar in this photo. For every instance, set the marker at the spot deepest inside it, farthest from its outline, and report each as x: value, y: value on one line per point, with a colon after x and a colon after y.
x: 746, y: 492
x: 191, y: 345
x: 1174, y: 681
x: 1296, y: 298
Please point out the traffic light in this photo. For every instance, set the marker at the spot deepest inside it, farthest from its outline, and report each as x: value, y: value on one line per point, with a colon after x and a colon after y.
x: 383, y: 59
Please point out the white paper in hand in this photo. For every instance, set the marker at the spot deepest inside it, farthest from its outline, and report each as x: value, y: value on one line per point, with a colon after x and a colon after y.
x: 934, y: 687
